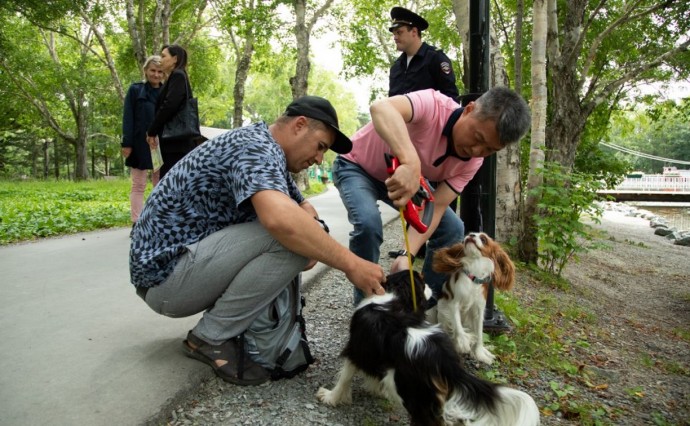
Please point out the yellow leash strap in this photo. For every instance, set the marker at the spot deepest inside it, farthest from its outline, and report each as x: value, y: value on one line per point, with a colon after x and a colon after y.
x: 409, y: 258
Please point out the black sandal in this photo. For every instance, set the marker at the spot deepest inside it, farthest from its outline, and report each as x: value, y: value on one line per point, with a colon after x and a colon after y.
x: 239, y: 369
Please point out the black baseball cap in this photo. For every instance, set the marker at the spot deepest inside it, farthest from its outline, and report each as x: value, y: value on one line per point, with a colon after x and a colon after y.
x: 322, y: 110
x: 401, y: 17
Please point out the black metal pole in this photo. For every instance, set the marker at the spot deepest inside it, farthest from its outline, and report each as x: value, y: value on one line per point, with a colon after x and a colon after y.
x: 478, y: 201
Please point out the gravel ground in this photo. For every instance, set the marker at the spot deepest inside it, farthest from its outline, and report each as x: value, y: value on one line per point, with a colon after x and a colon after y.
x: 641, y: 306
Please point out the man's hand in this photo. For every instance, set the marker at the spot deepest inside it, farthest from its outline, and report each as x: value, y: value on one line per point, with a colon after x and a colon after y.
x: 368, y: 277
x: 389, y: 117
x: 403, y: 185
x: 296, y: 229
x: 400, y: 264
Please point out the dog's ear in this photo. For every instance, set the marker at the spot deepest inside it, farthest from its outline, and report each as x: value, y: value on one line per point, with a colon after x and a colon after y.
x: 448, y: 259
x: 504, y: 271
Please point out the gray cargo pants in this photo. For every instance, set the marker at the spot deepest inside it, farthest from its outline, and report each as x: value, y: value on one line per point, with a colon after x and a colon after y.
x: 232, y: 275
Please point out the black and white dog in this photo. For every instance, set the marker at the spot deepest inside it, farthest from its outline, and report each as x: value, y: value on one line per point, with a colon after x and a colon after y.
x: 414, y: 363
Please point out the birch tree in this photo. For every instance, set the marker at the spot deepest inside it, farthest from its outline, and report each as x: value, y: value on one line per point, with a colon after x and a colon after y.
x: 528, y: 242
x: 304, y: 26
x: 249, y: 26
x: 148, y: 24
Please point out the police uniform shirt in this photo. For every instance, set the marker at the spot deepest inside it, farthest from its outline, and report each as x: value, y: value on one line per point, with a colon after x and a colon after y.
x: 429, y: 68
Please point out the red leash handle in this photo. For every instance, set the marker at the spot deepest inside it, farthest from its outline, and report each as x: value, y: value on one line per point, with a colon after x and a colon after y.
x: 420, y: 202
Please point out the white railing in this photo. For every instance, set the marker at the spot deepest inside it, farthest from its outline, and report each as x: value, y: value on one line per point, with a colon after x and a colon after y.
x: 656, y: 183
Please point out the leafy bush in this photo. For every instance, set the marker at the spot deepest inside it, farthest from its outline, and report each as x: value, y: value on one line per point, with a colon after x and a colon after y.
x: 563, y: 200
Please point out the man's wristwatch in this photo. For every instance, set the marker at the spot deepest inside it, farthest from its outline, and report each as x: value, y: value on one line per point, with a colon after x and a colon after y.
x: 323, y: 225
x: 397, y: 253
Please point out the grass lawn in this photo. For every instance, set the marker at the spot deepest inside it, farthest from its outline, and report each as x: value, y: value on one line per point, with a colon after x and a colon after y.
x: 38, y: 209
x: 30, y: 210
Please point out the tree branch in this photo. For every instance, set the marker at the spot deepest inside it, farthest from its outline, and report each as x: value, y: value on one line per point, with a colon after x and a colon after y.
x: 633, y: 74
x: 623, y: 19
x: 20, y: 80
x: 503, y: 26
x: 318, y: 14
x: 110, y: 63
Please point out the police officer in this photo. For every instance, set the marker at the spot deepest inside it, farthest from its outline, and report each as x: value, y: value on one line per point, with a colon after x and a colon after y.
x: 420, y: 66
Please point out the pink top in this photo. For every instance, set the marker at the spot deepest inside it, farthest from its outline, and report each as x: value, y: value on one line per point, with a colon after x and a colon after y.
x: 430, y: 113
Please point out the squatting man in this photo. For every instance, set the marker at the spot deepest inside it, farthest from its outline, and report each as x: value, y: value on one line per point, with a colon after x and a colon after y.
x: 227, y: 229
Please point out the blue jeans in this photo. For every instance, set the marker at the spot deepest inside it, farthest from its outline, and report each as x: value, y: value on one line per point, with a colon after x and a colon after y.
x: 360, y: 193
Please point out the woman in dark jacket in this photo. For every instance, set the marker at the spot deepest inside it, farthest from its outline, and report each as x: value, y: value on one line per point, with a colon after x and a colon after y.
x: 138, y: 112
x: 173, y: 95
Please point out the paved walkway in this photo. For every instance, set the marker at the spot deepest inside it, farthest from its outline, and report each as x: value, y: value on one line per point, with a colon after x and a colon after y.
x: 80, y: 348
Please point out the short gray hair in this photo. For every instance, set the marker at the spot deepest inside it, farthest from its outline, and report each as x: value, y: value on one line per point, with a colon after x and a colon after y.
x: 508, y: 109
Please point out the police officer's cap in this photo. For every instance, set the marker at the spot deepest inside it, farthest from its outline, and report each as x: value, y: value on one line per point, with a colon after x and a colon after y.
x: 401, y: 17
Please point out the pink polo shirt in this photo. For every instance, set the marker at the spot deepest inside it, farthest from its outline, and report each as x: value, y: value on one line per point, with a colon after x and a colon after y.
x: 431, y: 110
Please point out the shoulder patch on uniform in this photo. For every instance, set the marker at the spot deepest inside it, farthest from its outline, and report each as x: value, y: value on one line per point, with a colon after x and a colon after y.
x: 445, y: 67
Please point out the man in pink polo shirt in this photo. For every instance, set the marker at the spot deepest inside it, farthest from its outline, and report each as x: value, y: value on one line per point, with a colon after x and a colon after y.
x: 432, y: 136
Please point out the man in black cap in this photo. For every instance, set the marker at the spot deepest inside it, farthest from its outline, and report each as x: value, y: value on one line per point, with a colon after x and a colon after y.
x: 227, y: 229
x: 420, y: 66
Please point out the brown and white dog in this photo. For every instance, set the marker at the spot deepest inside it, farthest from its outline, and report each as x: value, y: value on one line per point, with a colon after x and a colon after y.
x: 414, y: 363
x: 471, y: 266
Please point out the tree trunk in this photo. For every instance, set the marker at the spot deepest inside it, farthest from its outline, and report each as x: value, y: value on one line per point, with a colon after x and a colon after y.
x: 243, y: 64
x: 56, y: 159
x: 509, y: 200
x: 46, y: 158
x: 34, y: 159
x: 519, y: 15
x: 299, y: 83
x: 528, y: 244
x: 568, y: 119
x: 461, y: 10
x: 508, y: 190
x: 81, y: 171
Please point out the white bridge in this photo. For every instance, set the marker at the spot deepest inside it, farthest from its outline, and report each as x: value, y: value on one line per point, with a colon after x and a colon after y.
x: 652, y: 188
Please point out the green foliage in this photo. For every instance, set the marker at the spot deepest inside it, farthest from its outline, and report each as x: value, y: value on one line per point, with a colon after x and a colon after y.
x: 366, y: 30
x: 563, y: 200
x: 601, y: 164
x: 81, y: 80
x: 659, y: 420
x: 368, y: 47
x: 30, y: 210
x: 316, y: 187
x: 662, y: 130
x: 41, y: 10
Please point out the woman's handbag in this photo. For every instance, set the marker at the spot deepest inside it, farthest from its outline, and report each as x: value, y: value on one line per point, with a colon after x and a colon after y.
x: 185, y: 124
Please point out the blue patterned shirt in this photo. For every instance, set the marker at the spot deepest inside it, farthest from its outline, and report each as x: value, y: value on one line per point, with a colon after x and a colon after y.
x: 208, y: 190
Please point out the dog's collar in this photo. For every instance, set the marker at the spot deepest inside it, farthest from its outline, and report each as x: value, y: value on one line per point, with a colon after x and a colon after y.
x: 478, y: 280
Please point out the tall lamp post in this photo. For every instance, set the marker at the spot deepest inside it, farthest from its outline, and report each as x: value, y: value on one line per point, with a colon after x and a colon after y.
x: 478, y: 202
